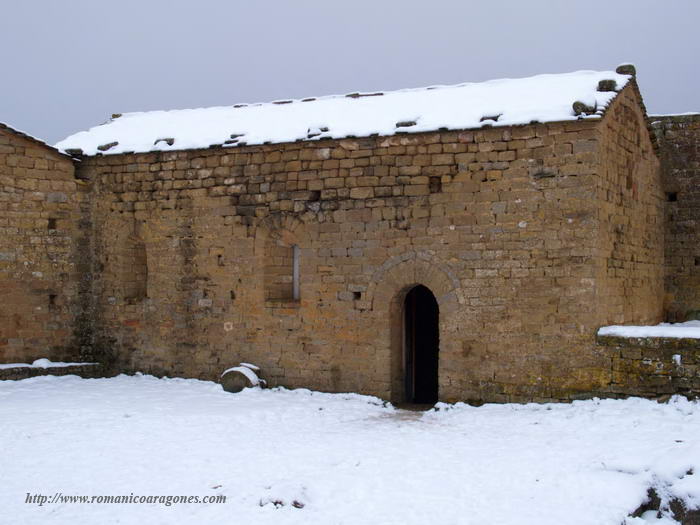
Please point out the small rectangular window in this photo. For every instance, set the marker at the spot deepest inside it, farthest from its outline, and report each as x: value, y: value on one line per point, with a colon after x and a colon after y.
x: 672, y: 196
x: 52, y: 224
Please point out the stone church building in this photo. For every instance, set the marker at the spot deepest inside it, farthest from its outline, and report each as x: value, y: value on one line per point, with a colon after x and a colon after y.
x: 454, y: 243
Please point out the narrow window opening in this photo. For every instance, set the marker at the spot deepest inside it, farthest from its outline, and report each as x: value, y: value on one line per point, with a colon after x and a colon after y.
x: 672, y: 196
x: 233, y: 295
x: 52, y: 300
x: 52, y: 223
x: 697, y: 261
x: 435, y: 184
x: 220, y: 260
x: 357, y: 295
x: 295, y: 273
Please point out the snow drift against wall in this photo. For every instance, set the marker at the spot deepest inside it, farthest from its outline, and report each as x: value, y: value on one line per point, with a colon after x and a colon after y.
x: 505, y: 102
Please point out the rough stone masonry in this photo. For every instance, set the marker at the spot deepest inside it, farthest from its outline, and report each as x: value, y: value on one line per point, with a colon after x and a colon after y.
x: 298, y: 256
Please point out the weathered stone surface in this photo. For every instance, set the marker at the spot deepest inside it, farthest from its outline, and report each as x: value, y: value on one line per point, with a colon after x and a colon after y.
x: 525, y: 268
x: 234, y: 381
x: 182, y: 262
x: 653, y: 366
x: 607, y: 85
x: 626, y: 69
x: 43, y: 231
x: 108, y: 146
x: 679, y: 148
x: 86, y: 371
x: 581, y: 108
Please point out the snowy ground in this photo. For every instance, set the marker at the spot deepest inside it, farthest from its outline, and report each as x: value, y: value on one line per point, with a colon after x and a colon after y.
x: 346, y: 458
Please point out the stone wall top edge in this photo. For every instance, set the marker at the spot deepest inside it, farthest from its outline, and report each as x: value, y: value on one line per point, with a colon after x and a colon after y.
x: 676, y: 343
x: 576, y: 125
x: 680, y: 118
x: 85, y: 371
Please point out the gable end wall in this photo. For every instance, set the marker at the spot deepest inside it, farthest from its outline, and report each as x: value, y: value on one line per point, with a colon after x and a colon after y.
x: 630, y: 254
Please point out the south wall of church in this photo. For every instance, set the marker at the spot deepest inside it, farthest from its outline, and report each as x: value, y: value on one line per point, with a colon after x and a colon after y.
x: 195, y: 253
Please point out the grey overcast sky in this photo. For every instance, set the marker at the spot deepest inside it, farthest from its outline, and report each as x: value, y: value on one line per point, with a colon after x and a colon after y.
x: 67, y: 65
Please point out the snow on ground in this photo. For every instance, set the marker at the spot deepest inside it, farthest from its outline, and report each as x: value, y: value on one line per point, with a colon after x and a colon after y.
x: 689, y: 329
x: 504, y: 102
x: 348, y: 459
x: 42, y: 363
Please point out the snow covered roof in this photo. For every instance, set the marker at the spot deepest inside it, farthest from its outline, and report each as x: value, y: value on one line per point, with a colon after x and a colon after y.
x: 506, y: 102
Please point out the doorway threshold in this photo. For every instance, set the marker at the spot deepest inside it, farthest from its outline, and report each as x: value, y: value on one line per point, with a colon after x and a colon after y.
x: 414, y: 407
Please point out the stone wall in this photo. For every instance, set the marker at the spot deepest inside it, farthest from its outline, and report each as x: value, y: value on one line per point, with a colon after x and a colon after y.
x: 41, y: 207
x: 679, y: 149
x: 86, y: 371
x: 630, y: 277
x: 508, y: 227
x: 653, y: 366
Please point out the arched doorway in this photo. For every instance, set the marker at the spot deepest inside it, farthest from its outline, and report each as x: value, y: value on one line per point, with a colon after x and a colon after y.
x: 421, y: 345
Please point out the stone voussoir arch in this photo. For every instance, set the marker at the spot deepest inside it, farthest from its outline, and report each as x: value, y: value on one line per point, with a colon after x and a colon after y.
x: 279, y: 240
x: 286, y: 227
x: 400, y: 273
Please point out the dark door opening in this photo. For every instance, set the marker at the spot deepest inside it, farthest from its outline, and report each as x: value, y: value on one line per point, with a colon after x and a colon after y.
x: 422, y: 339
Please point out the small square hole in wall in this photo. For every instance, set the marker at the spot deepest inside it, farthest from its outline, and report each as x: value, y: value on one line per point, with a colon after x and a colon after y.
x: 435, y: 185
x: 357, y: 295
x: 52, y: 300
x: 52, y: 224
x: 672, y: 196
